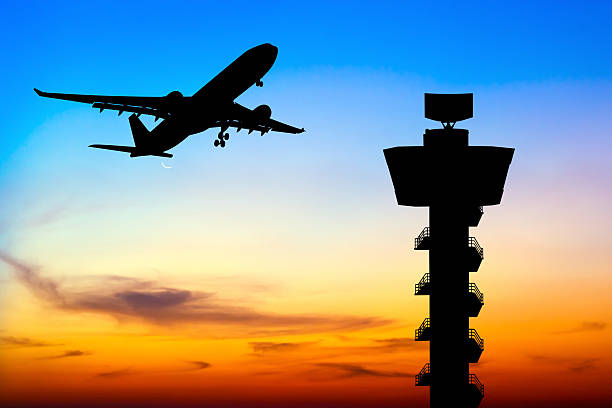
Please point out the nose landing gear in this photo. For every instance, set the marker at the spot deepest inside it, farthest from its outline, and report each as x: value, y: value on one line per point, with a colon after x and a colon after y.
x: 259, y: 83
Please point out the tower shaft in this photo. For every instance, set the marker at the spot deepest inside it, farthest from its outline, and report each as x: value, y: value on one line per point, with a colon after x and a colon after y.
x: 449, y: 320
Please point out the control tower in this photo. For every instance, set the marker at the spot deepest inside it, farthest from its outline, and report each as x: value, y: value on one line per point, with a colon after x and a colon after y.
x: 455, y: 180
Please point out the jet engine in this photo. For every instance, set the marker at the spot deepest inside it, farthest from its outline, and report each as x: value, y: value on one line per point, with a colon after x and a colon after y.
x: 174, y: 95
x: 173, y: 100
x: 262, y: 112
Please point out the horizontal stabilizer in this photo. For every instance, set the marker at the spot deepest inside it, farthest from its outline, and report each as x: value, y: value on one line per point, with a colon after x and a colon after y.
x: 131, y: 150
x: 127, y: 149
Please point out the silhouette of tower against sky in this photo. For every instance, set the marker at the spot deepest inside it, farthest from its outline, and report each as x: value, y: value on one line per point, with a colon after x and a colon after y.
x: 455, y: 181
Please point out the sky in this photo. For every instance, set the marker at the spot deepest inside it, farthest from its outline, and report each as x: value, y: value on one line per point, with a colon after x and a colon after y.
x: 279, y: 271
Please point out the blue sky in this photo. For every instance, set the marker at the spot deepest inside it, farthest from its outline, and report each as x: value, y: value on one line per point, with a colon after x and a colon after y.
x: 352, y: 74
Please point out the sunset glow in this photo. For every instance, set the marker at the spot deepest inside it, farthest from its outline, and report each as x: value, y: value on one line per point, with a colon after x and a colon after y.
x: 279, y: 272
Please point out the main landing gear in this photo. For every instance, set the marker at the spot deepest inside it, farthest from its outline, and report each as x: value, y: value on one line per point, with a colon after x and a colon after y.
x: 259, y: 83
x: 221, y: 138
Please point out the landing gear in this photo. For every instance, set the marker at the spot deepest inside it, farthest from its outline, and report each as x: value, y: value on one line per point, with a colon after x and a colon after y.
x: 221, y: 138
x: 259, y: 83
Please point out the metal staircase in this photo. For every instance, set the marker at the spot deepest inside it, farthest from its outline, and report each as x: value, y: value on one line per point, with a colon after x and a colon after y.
x: 422, y: 241
x: 475, y: 346
x: 475, y: 300
x: 475, y: 254
x: 423, y: 333
x: 424, y: 286
x: 423, y: 378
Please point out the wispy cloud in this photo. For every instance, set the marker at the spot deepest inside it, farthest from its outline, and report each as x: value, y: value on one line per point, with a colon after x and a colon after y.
x: 114, y: 374
x: 268, y: 346
x: 584, y: 327
x: 68, y: 353
x: 43, y: 288
x: 124, y: 297
x: 24, y: 342
x: 381, y: 346
x: 575, y: 365
x: 51, y: 215
x: 583, y: 365
x: 199, y: 365
x: 538, y: 358
x: 396, y: 343
x: 349, y: 370
x: 318, y: 350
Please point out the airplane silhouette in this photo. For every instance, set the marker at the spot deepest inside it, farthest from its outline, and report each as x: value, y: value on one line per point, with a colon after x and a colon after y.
x: 212, y: 106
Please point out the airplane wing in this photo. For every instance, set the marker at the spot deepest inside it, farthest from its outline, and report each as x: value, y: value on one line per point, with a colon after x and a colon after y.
x: 158, y: 106
x: 246, y: 118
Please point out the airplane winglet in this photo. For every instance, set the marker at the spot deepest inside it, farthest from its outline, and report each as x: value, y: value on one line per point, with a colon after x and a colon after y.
x: 38, y: 92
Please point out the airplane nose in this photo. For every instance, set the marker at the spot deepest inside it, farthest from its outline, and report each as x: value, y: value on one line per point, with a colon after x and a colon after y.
x: 273, y: 50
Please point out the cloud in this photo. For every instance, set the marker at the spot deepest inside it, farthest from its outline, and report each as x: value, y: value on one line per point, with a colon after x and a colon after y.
x: 52, y: 215
x: 546, y: 359
x: 349, y: 370
x: 68, y: 353
x: 584, y: 327
x: 114, y: 374
x: 43, y: 288
x: 576, y: 365
x: 317, y: 350
x: 199, y: 365
x: 267, y: 346
x: 124, y: 297
x: 583, y: 365
x: 24, y: 342
x: 396, y: 343
x: 380, y: 346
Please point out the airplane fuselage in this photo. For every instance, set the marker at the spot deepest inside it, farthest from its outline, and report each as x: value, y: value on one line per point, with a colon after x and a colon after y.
x: 213, y: 106
x: 215, y: 99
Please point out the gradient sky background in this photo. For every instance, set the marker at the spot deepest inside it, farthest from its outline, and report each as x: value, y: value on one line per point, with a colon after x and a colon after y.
x: 279, y: 271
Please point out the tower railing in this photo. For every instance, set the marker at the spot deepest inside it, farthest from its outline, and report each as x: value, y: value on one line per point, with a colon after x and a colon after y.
x: 423, y: 235
x: 473, y: 334
x: 425, y: 371
x: 418, y: 333
x: 474, y: 289
x: 473, y: 243
x: 422, y: 285
x: 475, y: 381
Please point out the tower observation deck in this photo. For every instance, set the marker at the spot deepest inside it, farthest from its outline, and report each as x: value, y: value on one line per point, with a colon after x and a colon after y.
x: 455, y: 180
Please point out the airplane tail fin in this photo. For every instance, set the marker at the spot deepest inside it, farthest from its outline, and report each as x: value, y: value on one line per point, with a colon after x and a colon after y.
x: 142, y: 136
x: 143, y: 143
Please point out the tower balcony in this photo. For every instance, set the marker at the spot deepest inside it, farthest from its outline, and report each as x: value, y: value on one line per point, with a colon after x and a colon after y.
x: 423, y: 378
x: 475, y: 300
x: 490, y: 163
x: 424, y: 286
x: 475, y: 254
x: 475, y: 215
x: 422, y: 241
x: 475, y: 346
x: 475, y: 391
x: 423, y: 333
